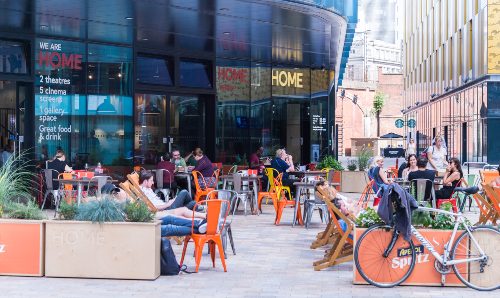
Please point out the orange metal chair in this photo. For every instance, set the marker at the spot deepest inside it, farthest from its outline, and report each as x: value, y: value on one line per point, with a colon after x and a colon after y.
x: 201, y: 190
x: 271, y: 193
x: 366, y: 195
x: 282, y: 202
x: 217, y: 212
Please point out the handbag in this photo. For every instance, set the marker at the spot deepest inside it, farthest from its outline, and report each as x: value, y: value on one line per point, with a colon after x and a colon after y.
x: 168, y: 261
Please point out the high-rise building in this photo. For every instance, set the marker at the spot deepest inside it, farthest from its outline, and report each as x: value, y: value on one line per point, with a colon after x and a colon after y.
x: 451, y: 71
x: 122, y: 81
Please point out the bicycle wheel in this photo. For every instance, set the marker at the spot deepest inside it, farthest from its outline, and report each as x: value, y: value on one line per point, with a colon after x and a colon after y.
x: 482, y: 275
x: 374, y: 267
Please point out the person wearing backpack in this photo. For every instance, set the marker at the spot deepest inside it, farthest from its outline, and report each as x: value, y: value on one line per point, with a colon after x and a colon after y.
x: 436, y: 154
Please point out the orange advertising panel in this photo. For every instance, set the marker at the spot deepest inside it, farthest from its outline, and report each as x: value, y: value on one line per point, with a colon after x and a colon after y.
x: 424, y: 272
x: 21, y: 248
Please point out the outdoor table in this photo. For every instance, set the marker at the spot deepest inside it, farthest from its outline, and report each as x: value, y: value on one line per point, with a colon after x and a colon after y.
x: 308, y: 173
x: 188, y: 177
x: 79, y: 185
x: 250, y: 178
x: 298, y: 187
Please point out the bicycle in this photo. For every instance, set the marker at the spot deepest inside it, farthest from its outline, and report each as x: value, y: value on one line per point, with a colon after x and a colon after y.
x: 472, y: 256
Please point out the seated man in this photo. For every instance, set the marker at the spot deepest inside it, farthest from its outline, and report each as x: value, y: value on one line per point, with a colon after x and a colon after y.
x: 175, y: 216
x: 423, y: 173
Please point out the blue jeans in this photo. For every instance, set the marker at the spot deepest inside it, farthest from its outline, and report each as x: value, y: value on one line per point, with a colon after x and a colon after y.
x: 183, y: 199
x: 177, y: 226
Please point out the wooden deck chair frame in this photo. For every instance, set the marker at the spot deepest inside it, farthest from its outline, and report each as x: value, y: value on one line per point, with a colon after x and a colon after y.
x: 328, y: 236
x: 493, y: 195
x: 488, y: 175
x: 342, y: 249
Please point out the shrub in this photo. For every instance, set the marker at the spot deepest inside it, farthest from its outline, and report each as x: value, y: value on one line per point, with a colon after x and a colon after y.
x: 363, y: 158
x: 330, y: 162
x: 28, y: 210
x: 138, y: 211
x: 368, y: 218
x: 104, y: 210
x: 67, y: 211
x: 352, y: 165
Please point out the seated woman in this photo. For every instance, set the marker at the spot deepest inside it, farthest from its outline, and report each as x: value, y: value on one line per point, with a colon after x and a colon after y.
x: 411, y: 166
x: 451, y: 179
x: 344, y: 204
x: 168, y: 177
x: 205, y: 167
x: 377, y: 173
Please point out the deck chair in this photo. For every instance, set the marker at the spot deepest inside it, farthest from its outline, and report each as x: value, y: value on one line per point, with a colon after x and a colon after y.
x: 488, y: 175
x: 342, y: 249
x: 493, y: 194
x: 133, y: 189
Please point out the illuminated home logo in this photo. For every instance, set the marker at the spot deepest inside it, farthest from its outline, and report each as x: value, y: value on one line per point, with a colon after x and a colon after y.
x: 287, y: 79
x: 2, y: 248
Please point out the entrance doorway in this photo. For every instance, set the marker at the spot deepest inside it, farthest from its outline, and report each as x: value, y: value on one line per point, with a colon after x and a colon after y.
x: 167, y: 122
x: 15, y: 109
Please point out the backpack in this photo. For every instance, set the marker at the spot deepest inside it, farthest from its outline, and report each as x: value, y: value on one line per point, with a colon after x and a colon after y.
x: 168, y: 262
x: 424, y: 153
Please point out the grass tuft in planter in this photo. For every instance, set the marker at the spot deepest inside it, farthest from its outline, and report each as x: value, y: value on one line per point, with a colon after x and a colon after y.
x: 104, y: 210
x: 28, y: 210
x: 138, y: 211
x: 67, y: 211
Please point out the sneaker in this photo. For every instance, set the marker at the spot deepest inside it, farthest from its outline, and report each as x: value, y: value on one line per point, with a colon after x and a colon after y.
x: 202, y: 227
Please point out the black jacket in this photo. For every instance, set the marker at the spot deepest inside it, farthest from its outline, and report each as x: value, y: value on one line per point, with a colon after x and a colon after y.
x: 403, y: 217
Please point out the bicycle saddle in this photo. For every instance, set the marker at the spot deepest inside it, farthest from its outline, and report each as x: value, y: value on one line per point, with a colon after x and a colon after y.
x: 468, y: 190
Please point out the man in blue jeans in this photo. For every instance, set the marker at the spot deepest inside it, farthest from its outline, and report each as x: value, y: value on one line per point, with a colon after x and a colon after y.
x: 177, y: 226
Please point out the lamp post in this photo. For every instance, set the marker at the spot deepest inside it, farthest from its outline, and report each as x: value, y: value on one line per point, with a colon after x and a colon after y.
x: 365, y: 55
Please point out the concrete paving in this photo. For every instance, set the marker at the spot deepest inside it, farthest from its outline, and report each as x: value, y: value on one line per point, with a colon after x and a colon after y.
x: 271, y: 261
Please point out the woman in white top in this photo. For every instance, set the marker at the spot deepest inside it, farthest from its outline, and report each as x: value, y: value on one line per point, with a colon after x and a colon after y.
x: 436, y: 154
x: 411, y: 166
x: 412, y: 148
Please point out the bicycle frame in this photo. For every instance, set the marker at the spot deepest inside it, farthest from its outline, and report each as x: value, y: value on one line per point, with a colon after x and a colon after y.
x: 459, y: 218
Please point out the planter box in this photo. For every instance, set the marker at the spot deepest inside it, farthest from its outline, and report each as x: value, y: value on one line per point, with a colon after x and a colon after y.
x: 120, y: 250
x: 21, y: 247
x: 424, y: 273
x: 354, y: 181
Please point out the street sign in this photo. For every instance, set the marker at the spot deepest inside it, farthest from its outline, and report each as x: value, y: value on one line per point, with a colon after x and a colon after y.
x: 412, y: 123
x: 399, y: 123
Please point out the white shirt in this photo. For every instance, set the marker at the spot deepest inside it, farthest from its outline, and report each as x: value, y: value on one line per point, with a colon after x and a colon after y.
x: 152, y: 196
x: 438, y: 157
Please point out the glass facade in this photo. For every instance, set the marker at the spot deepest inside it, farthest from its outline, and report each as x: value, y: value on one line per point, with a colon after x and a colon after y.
x: 119, y: 83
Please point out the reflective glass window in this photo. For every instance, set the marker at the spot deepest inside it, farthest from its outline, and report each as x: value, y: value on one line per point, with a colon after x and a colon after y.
x: 233, y: 111
x: 110, y: 105
x: 196, y: 74
x: 154, y: 70
x: 60, y: 99
x: 14, y: 57
x: 150, y: 128
x: 187, y: 122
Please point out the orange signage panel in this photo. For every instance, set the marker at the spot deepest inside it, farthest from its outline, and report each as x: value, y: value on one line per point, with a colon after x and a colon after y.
x: 424, y: 272
x: 21, y: 248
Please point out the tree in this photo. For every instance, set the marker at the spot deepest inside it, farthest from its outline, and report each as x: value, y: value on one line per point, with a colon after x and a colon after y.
x: 378, y: 104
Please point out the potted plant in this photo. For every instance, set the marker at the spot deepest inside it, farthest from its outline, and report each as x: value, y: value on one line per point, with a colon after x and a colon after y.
x: 355, y: 181
x: 21, y: 221
x: 438, y: 229
x: 329, y: 162
x: 104, y: 239
x: 352, y: 165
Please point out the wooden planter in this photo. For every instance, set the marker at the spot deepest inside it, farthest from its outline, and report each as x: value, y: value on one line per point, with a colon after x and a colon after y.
x: 354, y: 181
x: 21, y: 247
x: 120, y: 250
x: 424, y: 273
